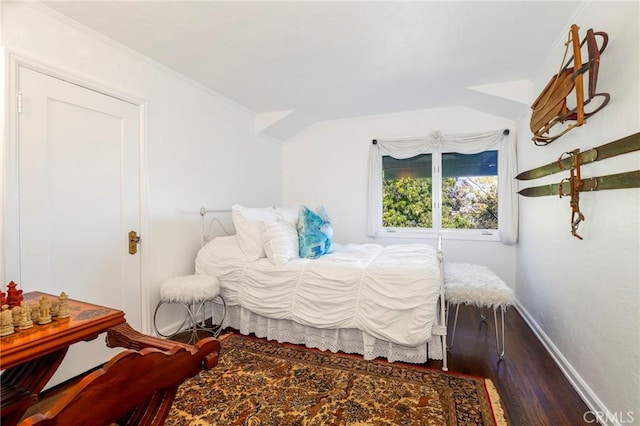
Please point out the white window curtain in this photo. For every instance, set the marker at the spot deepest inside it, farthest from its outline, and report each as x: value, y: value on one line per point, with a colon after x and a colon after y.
x: 464, y: 143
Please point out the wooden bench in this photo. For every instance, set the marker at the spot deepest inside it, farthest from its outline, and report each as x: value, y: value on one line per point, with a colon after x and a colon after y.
x: 136, y: 387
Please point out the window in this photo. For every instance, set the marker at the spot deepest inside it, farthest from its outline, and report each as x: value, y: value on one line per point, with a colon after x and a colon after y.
x: 461, y: 185
x: 470, y: 190
x: 468, y: 186
x: 407, y: 192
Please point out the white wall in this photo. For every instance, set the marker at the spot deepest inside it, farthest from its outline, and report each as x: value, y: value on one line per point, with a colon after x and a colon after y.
x: 328, y: 164
x: 200, y: 147
x: 583, y: 296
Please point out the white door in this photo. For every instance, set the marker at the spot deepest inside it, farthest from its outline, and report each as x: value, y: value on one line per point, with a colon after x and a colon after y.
x: 79, y: 196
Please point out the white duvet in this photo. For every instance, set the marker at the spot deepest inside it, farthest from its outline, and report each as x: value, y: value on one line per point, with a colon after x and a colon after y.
x: 388, y: 292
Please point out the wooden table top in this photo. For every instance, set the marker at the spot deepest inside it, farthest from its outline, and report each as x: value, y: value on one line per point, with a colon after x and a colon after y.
x: 86, y: 322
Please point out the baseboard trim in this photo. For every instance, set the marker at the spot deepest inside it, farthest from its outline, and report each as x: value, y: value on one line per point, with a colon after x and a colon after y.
x: 582, y: 388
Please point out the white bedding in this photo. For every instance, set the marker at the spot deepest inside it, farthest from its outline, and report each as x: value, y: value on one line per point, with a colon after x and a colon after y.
x: 388, y: 292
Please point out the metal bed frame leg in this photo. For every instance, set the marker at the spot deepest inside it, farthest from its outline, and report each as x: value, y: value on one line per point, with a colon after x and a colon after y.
x: 444, y: 314
x: 443, y: 320
x: 455, y: 324
x: 495, y: 320
x: 443, y: 317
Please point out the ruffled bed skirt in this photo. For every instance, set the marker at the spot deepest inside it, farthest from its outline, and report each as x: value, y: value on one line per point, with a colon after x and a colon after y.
x: 335, y: 340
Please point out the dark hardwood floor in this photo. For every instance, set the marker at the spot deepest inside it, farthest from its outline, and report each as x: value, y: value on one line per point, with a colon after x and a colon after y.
x: 533, y: 389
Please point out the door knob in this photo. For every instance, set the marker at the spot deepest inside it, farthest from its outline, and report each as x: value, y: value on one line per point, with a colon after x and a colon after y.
x: 134, y: 240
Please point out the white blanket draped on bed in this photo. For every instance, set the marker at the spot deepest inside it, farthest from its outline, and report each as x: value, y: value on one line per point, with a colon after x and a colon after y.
x: 388, y: 292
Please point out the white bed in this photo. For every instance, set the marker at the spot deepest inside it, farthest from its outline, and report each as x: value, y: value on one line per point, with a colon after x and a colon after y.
x: 359, y: 298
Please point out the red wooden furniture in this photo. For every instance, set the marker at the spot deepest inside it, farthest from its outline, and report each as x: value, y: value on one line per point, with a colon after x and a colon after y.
x: 29, y: 358
x: 134, y: 388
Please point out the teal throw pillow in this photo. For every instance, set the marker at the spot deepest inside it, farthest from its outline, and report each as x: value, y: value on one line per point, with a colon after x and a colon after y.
x: 315, y: 233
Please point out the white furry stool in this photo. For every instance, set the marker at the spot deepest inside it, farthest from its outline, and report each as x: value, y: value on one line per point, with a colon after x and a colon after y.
x: 477, y: 285
x: 192, y: 292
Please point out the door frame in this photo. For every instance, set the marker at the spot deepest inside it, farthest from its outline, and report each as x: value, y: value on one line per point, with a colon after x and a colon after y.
x: 9, y: 181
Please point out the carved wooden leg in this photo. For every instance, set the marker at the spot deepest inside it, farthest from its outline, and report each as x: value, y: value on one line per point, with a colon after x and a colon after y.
x: 22, y: 384
x: 154, y: 411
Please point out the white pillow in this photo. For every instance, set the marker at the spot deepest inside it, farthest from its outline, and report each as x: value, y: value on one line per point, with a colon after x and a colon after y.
x: 286, y: 214
x: 248, y: 224
x: 280, y: 241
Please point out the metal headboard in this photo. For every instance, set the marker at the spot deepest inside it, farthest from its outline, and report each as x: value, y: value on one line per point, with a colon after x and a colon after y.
x: 206, y: 232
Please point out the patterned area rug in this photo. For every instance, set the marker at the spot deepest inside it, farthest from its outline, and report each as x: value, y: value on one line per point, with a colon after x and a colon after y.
x: 258, y: 382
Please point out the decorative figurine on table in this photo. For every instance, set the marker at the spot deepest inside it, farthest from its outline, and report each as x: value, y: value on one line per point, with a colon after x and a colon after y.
x: 17, y: 314
x: 14, y: 296
x: 63, y: 311
x: 45, y: 311
x: 6, y: 321
x: 25, y: 317
x: 35, y: 312
x: 55, y: 307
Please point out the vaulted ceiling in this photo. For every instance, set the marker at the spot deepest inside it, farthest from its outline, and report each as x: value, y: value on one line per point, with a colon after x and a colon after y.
x: 298, y: 63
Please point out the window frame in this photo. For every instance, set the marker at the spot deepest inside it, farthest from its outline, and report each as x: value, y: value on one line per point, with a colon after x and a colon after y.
x: 465, y: 143
x: 436, y: 210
